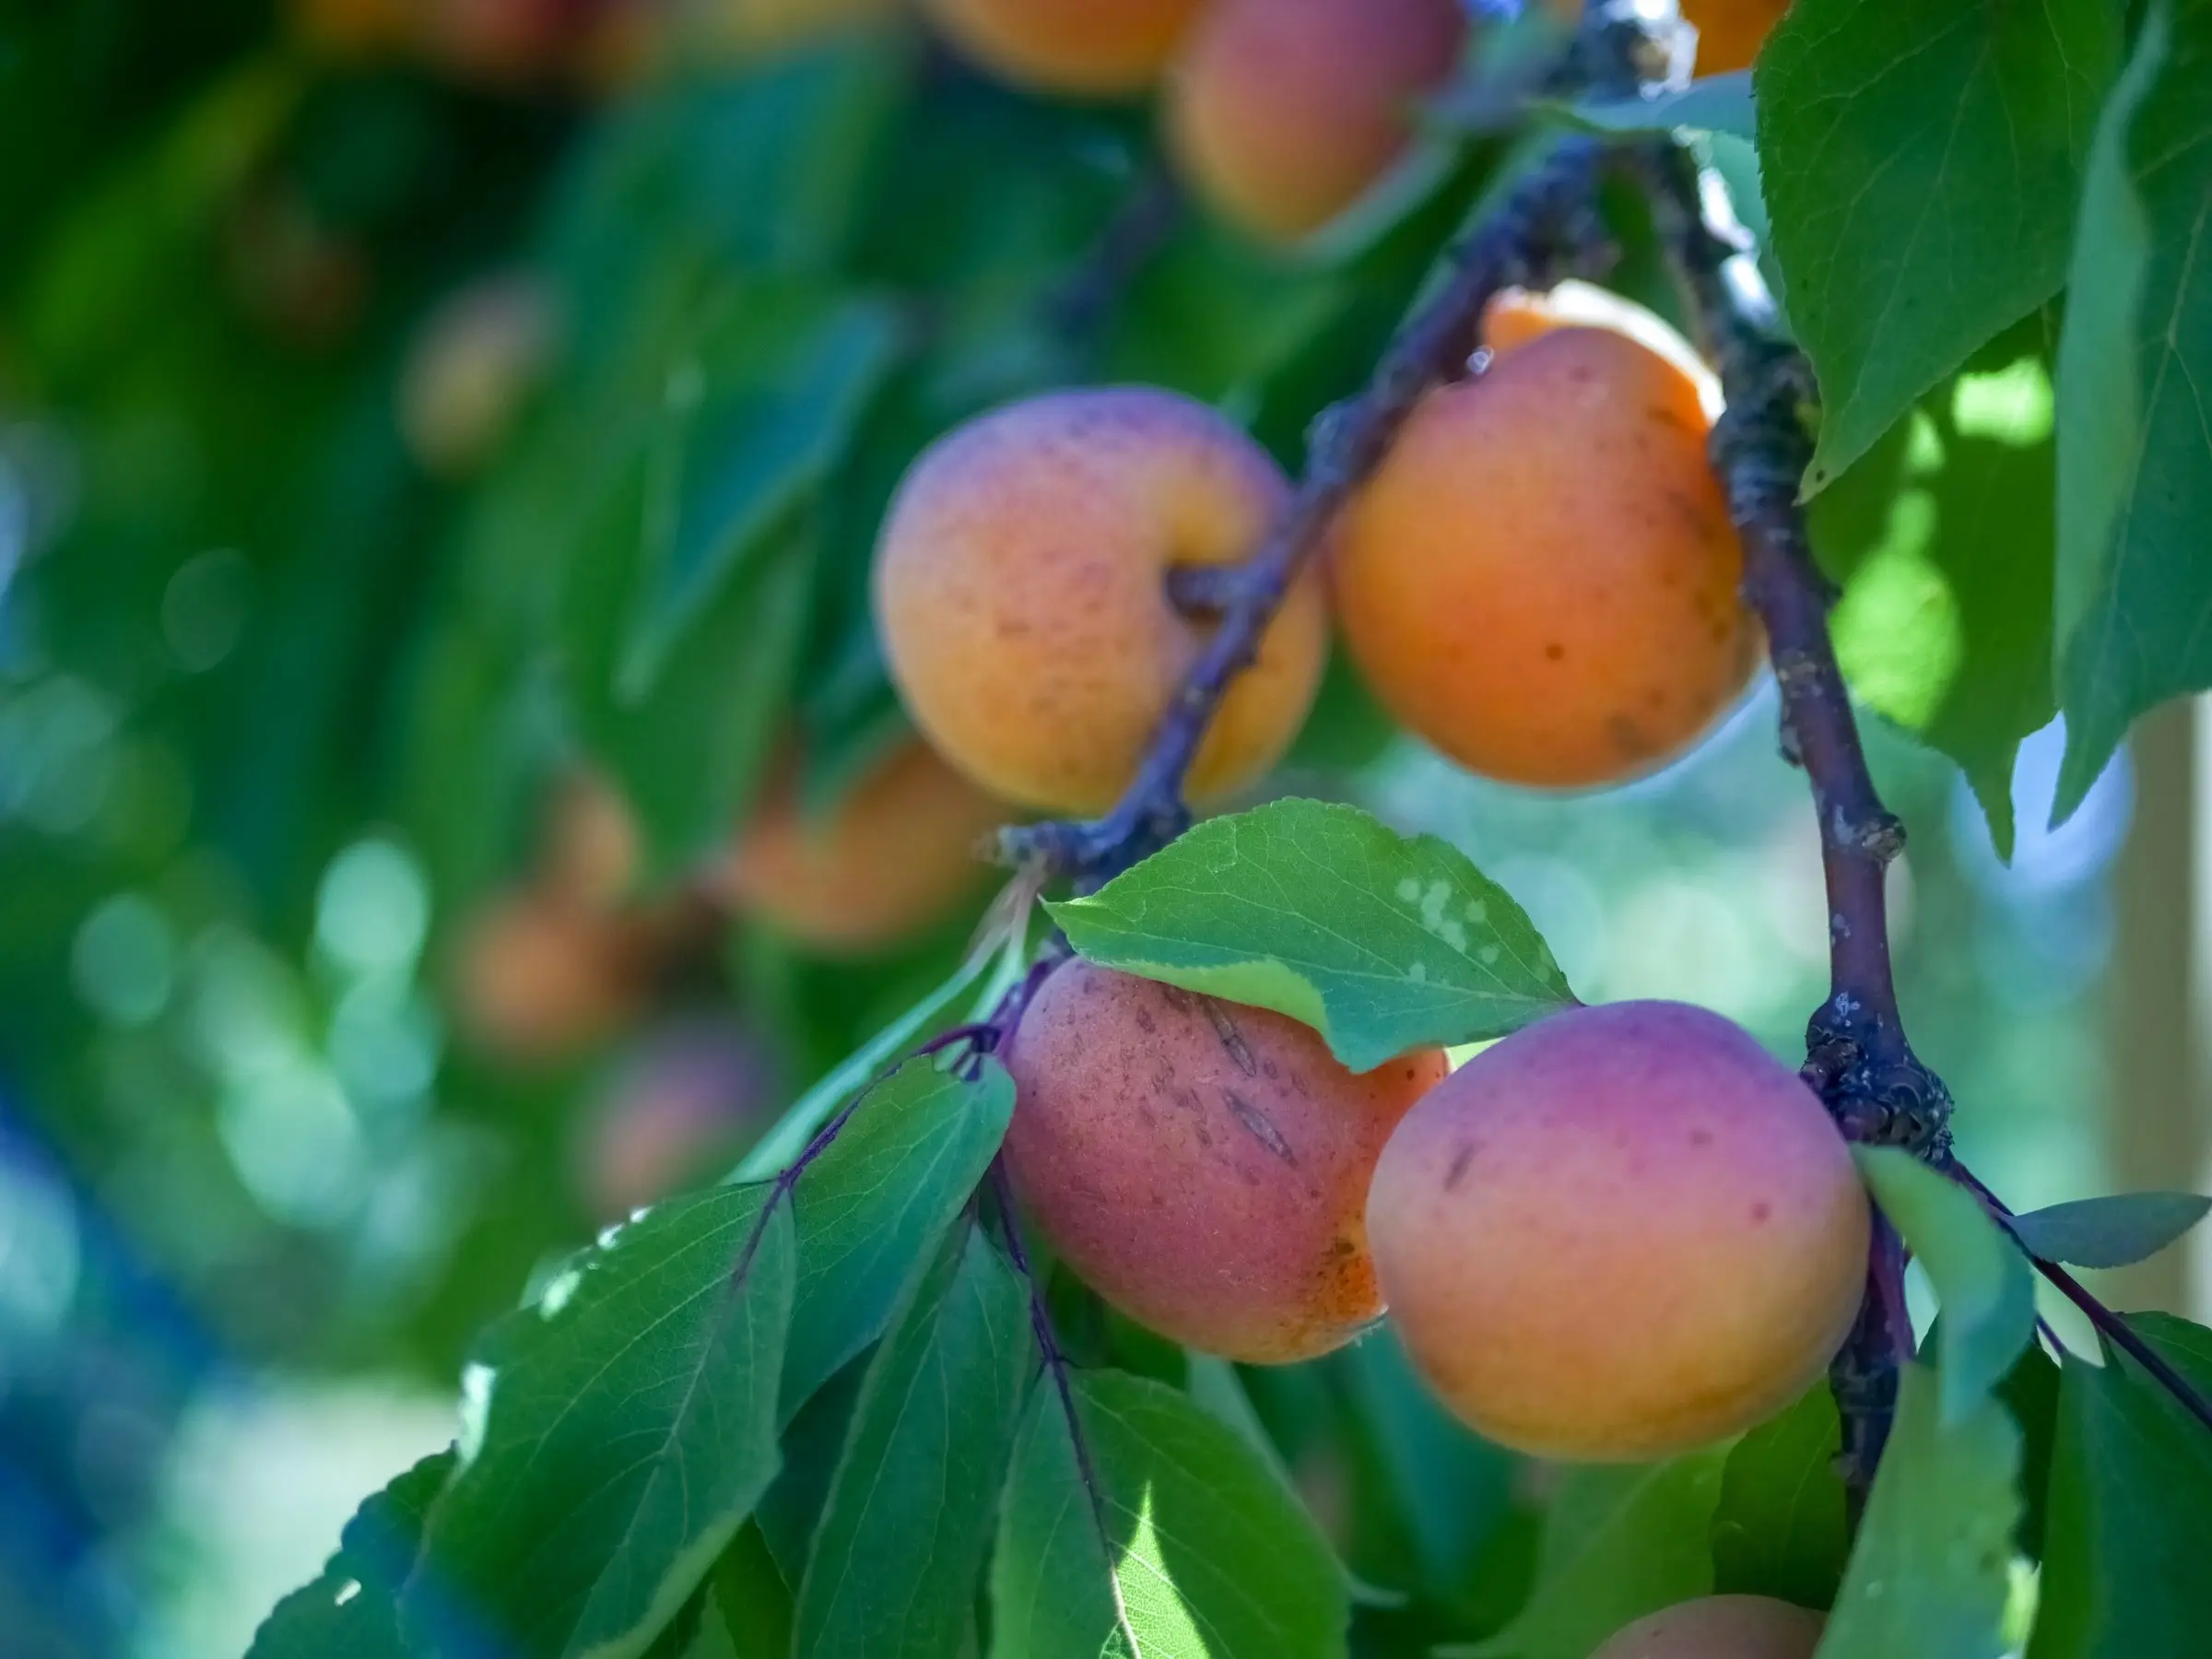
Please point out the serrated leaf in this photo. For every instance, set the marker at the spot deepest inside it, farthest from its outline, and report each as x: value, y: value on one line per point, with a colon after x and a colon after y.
x: 2130, y: 1522
x: 1713, y: 103
x: 1921, y: 161
x: 1619, y: 1543
x: 1779, y: 1528
x: 1941, y: 537
x: 902, y: 1541
x: 1932, y: 1569
x: 1159, y: 1536
x: 1982, y: 1283
x: 2117, y: 1231
x: 621, y: 1431
x: 351, y: 1610
x: 1381, y: 942
x: 870, y: 1208
x: 2135, y: 593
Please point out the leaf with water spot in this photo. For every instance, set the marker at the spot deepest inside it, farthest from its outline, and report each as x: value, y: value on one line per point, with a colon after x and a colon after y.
x: 1381, y: 941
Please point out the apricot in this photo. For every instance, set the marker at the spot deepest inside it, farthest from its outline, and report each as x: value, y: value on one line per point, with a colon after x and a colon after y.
x: 1719, y: 1627
x: 685, y: 1103
x: 537, y: 979
x: 1730, y: 32
x: 1515, y: 316
x: 471, y: 368
x: 1540, y: 578
x: 1202, y: 1164
x: 591, y: 854
x: 902, y: 848
x: 1096, y: 48
x: 1020, y: 591
x: 1280, y: 113
x: 1619, y: 1233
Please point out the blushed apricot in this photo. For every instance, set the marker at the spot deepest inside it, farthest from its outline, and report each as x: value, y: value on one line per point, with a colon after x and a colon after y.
x: 1541, y: 576
x: 1619, y: 1233
x: 1515, y: 316
x: 1094, y: 47
x: 1202, y: 1164
x: 1280, y: 113
x: 1730, y: 32
x: 1020, y: 591
x: 1719, y: 1627
x: 904, y: 847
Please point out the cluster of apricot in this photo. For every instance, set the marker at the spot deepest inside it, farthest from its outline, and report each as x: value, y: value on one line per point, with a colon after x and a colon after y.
x: 1279, y: 114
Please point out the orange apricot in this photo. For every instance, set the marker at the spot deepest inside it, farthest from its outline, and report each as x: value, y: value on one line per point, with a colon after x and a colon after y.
x: 1096, y: 48
x: 902, y: 848
x: 1619, y: 1233
x: 1020, y: 591
x: 1540, y: 578
x: 1515, y: 316
x: 1202, y: 1164
x: 1280, y: 113
x: 1730, y: 32
x: 1719, y: 1627
x: 537, y: 979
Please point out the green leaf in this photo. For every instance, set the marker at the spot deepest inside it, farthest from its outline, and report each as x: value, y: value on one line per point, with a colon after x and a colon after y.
x: 761, y: 405
x: 1619, y: 1543
x: 351, y: 1610
x: 871, y: 1208
x: 813, y: 1445
x: 1921, y: 163
x: 2130, y: 1524
x: 2109, y: 1232
x: 619, y: 1431
x: 1932, y: 1570
x: 909, y: 1521
x: 1982, y: 1283
x: 1716, y: 103
x: 1941, y: 537
x: 2135, y: 593
x: 2030, y: 1394
x: 748, y: 1605
x: 1381, y: 942
x: 1779, y: 1528
x: 1157, y: 1533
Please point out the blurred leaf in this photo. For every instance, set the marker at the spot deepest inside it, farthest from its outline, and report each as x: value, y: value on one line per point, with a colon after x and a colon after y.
x: 2130, y: 1523
x: 1921, y: 162
x: 2030, y: 1394
x: 1982, y: 1283
x: 1941, y: 534
x: 761, y: 403
x: 748, y: 1602
x: 909, y: 1522
x: 621, y: 1431
x: 351, y: 1611
x: 1714, y: 103
x: 2135, y: 593
x: 871, y: 1208
x: 1932, y: 1569
x: 1185, y: 1544
x: 1779, y: 1529
x: 1380, y: 942
x: 1617, y: 1542
x: 2117, y: 1231
x: 813, y: 1445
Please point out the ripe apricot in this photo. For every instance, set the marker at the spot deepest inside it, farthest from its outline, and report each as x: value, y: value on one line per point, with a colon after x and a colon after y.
x: 898, y: 851
x: 1020, y: 590
x: 537, y: 979
x: 1202, y: 1164
x: 1620, y: 1232
x: 1719, y: 1627
x: 470, y: 369
x: 1280, y: 113
x: 1540, y: 578
x: 1730, y: 32
x: 1084, y: 47
x: 1515, y: 316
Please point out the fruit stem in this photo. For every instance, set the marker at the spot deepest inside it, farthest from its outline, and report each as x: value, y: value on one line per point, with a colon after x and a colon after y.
x: 1547, y: 227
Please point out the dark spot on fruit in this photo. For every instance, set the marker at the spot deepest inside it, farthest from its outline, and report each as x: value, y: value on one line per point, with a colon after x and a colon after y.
x: 1460, y: 1160
x: 1762, y: 1212
x: 1700, y: 1138
x: 1554, y: 653
x: 1233, y: 1040
x: 1260, y: 1127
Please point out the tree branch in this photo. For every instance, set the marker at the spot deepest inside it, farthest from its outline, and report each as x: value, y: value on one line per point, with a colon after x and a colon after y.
x: 1546, y: 229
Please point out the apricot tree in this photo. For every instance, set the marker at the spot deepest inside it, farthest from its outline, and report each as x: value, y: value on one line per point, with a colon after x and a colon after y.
x: 1139, y: 1275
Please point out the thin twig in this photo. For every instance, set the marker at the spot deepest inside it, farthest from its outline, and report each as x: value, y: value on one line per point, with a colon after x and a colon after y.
x: 2110, y: 1325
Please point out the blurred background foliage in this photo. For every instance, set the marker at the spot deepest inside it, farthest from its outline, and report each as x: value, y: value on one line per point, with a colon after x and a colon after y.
x: 423, y: 430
